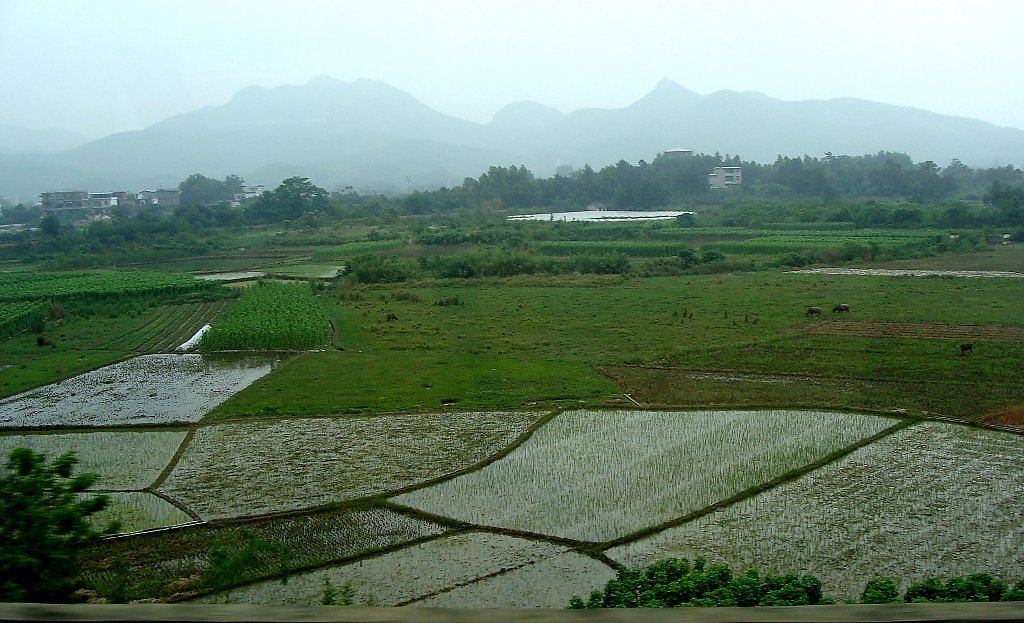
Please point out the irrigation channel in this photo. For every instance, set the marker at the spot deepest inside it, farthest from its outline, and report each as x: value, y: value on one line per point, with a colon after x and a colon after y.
x: 517, y: 508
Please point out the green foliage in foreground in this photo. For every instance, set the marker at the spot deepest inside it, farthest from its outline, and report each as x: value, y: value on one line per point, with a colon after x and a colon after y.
x: 674, y: 582
x: 43, y: 524
x: 271, y: 316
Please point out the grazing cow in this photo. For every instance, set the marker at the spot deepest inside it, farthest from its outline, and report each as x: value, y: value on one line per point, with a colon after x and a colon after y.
x: 967, y: 347
x: 813, y: 311
x: 391, y: 317
x: 842, y: 307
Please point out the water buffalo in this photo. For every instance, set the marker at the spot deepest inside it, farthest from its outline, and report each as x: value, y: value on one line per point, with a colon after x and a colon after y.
x: 813, y: 311
x: 842, y: 307
x: 967, y: 347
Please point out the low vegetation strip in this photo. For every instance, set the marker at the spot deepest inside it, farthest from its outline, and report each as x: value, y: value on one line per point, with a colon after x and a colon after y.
x: 933, y: 499
x: 97, y: 285
x: 256, y: 467
x: 271, y: 316
x: 919, y: 330
x: 595, y: 476
x: 17, y: 316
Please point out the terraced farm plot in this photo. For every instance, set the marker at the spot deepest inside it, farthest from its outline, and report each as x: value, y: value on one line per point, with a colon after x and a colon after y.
x: 150, y: 389
x: 138, y: 510
x: 403, y: 576
x: 547, y: 583
x: 262, y: 466
x: 122, y: 459
x: 931, y: 500
x: 596, y: 476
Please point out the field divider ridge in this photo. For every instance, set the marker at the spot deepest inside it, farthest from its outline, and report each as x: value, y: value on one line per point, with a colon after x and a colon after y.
x: 789, y: 476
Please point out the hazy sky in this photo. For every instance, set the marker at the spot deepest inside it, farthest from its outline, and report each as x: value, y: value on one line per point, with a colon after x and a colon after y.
x: 102, y: 66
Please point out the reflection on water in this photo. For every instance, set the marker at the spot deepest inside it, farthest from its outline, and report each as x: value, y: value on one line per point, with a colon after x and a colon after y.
x: 151, y: 389
x: 600, y: 216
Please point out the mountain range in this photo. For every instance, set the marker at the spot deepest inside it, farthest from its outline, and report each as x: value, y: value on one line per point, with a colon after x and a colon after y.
x: 374, y: 137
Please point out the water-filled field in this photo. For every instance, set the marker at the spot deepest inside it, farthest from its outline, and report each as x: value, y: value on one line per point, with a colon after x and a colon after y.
x: 597, y: 476
x: 421, y: 572
x: 139, y: 510
x: 933, y: 499
x: 151, y: 389
x: 261, y: 466
x: 123, y: 460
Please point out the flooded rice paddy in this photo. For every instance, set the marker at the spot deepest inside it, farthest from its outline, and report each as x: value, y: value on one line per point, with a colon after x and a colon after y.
x: 151, y: 389
x: 263, y: 466
x: 928, y: 499
x: 423, y: 571
x: 894, y: 272
x: 123, y: 460
x: 931, y: 500
x: 597, y: 476
x: 139, y: 510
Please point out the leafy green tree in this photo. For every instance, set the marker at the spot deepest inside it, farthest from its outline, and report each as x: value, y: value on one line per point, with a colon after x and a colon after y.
x: 294, y: 197
x: 43, y: 524
x: 50, y: 226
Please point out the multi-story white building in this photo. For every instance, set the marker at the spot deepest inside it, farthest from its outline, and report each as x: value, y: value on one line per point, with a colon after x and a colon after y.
x: 724, y: 177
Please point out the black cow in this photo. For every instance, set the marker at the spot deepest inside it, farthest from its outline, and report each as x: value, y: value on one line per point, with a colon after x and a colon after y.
x: 842, y: 307
x: 813, y: 311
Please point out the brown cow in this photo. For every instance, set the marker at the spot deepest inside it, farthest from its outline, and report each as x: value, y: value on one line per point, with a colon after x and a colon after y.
x: 966, y: 348
x: 391, y: 317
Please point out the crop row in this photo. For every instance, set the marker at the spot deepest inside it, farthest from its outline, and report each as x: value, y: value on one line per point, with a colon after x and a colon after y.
x: 601, y: 247
x: 17, y: 316
x: 97, y: 285
x: 271, y: 316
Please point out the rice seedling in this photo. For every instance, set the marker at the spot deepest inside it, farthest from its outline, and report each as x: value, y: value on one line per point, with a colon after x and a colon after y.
x: 149, y: 389
x: 932, y: 500
x: 262, y: 466
x: 547, y: 583
x: 596, y: 476
x: 175, y: 562
x: 402, y: 576
x: 122, y: 459
x: 138, y: 510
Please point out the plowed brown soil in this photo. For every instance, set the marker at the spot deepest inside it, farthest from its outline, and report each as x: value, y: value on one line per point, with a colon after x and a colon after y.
x: 1012, y: 415
x: 919, y: 330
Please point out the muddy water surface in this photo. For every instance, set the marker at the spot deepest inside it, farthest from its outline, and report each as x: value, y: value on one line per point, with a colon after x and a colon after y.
x: 151, y: 389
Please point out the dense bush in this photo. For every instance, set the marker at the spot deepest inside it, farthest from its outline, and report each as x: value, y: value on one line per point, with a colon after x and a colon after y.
x: 675, y: 582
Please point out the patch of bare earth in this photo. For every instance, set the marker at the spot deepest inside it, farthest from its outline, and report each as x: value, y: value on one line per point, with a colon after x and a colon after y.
x: 918, y: 330
x: 1013, y: 415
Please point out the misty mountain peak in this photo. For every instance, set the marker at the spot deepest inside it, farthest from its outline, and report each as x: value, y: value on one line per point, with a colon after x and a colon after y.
x: 667, y: 93
x: 526, y: 113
